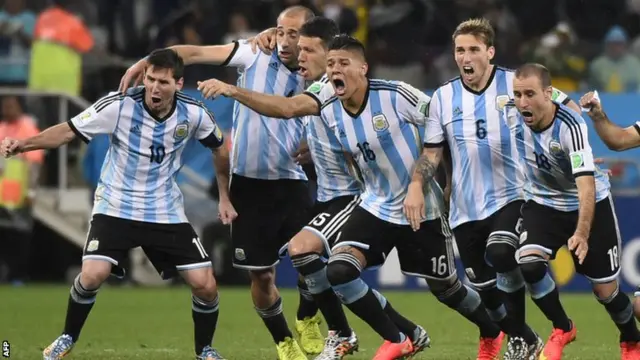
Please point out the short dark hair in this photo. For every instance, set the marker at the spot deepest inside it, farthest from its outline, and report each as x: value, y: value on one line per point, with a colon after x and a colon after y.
x: 537, y: 70
x: 167, y: 59
x: 347, y: 42
x: 320, y: 27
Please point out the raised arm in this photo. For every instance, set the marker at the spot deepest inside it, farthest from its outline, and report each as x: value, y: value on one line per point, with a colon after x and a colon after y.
x: 615, y: 137
x: 307, y: 103
x: 211, y: 54
x: 99, y: 118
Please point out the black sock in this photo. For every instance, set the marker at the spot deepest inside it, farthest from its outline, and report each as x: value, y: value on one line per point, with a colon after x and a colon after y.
x: 205, y: 319
x: 467, y: 302
x: 512, y: 284
x: 493, y: 301
x: 81, y: 301
x: 307, y: 306
x: 275, y: 321
x: 343, y: 273
x: 620, y: 309
x: 545, y: 294
x: 368, y: 309
x: 314, y: 270
x: 405, y: 325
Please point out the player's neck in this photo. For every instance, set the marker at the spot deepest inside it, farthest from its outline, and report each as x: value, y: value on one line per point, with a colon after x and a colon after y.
x: 484, y: 81
x: 354, y: 104
x: 547, y: 119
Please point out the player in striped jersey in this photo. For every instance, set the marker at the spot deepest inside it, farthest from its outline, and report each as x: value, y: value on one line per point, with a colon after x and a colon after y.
x: 377, y: 122
x: 568, y: 202
x: 268, y: 188
x: 487, y: 182
x: 618, y: 139
x: 137, y: 202
x: 310, y: 103
x: 337, y: 189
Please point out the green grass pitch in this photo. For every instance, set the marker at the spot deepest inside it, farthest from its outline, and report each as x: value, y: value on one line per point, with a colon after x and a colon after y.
x: 155, y: 323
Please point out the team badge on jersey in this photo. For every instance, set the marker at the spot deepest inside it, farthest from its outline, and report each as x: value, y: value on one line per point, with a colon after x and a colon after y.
x: 380, y: 123
x: 555, y: 148
x: 93, y: 245
x: 501, y: 101
x: 181, y: 131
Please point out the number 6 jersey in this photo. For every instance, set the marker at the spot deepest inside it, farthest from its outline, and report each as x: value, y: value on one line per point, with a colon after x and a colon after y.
x: 554, y: 157
x: 385, y: 140
x: 137, y: 181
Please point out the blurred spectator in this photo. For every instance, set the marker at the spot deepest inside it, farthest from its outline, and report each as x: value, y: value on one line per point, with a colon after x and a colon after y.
x: 16, y: 33
x: 616, y: 70
x: 343, y: 15
x: 393, y: 54
x: 18, y: 183
x: 239, y: 28
x: 557, y: 52
x: 60, y: 39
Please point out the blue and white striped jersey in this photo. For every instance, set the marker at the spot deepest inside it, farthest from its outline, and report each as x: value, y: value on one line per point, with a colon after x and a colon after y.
x: 486, y: 175
x: 554, y: 157
x: 385, y: 141
x: 137, y: 181
x: 334, y: 178
x: 263, y: 146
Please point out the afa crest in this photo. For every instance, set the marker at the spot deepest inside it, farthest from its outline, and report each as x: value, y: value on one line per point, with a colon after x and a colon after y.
x: 380, y: 123
x: 555, y: 148
x: 181, y: 131
x: 501, y: 101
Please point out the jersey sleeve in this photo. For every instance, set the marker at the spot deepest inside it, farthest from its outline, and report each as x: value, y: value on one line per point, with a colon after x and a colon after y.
x: 575, y: 142
x: 99, y: 118
x: 241, y: 56
x: 434, y: 129
x: 413, y: 104
x: 560, y: 97
x: 208, y: 131
x: 320, y: 91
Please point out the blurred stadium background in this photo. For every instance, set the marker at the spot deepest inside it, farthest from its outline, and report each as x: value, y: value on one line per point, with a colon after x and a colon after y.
x: 57, y: 57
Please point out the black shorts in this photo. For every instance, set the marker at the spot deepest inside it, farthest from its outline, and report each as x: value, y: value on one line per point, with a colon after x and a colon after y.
x: 548, y: 230
x: 270, y: 213
x: 472, y: 237
x: 330, y: 217
x: 169, y: 247
x: 426, y: 253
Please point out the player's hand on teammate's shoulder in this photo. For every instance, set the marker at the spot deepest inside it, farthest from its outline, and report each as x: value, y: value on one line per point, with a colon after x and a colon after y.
x: 226, y: 212
x: 10, y: 147
x: 213, y: 88
x: 265, y: 41
x: 414, y: 205
x: 590, y: 101
x: 578, y: 243
x: 133, y: 75
x: 599, y: 161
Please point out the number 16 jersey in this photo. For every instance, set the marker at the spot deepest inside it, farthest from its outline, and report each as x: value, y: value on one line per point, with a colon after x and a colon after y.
x: 385, y: 140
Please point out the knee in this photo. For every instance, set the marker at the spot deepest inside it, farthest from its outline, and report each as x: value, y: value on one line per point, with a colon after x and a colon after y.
x: 204, y: 286
x: 262, y: 278
x: 605, y: 292
x: 441, y: 286
x: 94, y: 273
x: 533, y: 267
x: 305, y: 242
x: 343, y: 268
x: 501, y: 256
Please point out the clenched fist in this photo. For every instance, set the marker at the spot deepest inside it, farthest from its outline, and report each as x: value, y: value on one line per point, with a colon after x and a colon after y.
x: 10, y: 147
x: 591, y: 102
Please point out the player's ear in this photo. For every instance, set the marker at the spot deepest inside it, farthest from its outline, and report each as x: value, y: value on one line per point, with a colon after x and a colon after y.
x: 491, y: 51
x: 179, y: 83
x: 548, y: 93
x: 365, y: 69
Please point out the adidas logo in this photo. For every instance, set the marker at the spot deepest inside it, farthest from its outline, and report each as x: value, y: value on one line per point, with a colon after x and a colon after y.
x: 136, y: 130
x: 274, y: 65
x: 457, y: 112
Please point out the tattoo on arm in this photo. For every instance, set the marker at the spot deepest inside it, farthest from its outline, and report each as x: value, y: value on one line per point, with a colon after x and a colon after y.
x: 425, y: 170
